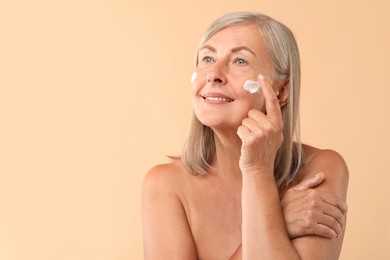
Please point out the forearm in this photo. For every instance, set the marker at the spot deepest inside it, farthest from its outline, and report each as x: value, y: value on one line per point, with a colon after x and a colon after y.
x: 264, y: 233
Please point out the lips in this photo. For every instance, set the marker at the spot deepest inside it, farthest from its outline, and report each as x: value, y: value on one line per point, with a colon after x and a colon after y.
x: 217, y: 97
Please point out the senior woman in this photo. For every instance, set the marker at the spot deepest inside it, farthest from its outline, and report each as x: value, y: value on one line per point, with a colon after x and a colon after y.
x: 245, y: 187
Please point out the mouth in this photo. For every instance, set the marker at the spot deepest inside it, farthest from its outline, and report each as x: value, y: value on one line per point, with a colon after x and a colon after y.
x: 217, y: 97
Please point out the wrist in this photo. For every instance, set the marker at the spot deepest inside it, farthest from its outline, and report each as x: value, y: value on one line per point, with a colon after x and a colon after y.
x: 258, y: 176
x: 257, y: 170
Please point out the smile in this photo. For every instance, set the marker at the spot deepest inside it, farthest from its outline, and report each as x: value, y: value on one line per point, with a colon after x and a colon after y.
x: 218, y: 99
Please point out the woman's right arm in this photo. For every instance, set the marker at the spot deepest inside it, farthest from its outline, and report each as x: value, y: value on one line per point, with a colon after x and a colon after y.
x: 304, y: 216
x: 165, y: 227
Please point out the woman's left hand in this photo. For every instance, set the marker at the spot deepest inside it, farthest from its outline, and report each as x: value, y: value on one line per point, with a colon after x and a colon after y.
x: 310, y: 211
x: 261, y: 134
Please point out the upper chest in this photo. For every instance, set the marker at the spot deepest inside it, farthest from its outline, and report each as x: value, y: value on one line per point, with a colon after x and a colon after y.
x: 214, y: 215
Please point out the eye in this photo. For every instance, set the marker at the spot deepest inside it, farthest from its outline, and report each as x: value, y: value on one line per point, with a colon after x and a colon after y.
x: 207, y: 59
x: 240, y: 61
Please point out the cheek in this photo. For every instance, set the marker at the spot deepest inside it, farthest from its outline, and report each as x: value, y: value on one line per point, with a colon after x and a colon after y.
x: 253, y: 101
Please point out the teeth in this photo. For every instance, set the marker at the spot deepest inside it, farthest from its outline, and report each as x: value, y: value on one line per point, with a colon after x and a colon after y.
x: 219, y: 98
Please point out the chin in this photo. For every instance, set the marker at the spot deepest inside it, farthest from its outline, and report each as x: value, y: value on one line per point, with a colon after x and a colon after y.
x: 220, y: 117
x: 219, y: 122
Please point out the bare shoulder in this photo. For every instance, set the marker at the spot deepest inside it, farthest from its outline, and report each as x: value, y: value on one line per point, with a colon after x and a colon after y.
x: 167, y: 234
x: 166, y: 177
x: 315, y: 155
x: 331, y: 163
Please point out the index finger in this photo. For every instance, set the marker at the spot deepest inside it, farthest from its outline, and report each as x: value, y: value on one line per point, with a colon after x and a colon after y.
x: 335, y: 202
x: 271, y: 102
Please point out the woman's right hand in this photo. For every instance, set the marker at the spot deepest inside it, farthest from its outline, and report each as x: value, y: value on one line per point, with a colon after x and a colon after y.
x: 309, y: 211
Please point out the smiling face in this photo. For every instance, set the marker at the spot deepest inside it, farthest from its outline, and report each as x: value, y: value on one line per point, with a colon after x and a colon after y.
x: 226, y: 61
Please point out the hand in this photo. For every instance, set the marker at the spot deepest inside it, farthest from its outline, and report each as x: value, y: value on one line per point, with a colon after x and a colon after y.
x: 261, y: 134
x: 308, y: 211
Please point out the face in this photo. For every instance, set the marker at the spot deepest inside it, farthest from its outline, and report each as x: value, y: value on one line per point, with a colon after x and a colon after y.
x: 226, y: 61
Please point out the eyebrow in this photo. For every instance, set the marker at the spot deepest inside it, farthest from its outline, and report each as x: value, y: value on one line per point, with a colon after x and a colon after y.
x: 212, y: 49
x: 244, y: 48
x: 235, y: 49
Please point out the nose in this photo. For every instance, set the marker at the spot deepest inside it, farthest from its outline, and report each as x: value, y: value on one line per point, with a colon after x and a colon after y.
x: 217, y: 74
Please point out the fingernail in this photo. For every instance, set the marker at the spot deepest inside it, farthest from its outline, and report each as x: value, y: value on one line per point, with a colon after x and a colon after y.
x: 261, y: 77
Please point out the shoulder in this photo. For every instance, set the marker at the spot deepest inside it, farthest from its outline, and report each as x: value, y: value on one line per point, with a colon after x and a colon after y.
x: 165, y: 175
x: 167, y: 234
x: 316, y: 155
x: 331, y: 163
x: 165, y: 179
x: 163, y: 171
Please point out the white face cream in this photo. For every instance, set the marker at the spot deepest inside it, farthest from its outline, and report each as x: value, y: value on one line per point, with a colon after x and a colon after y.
x: 253, y: 86
x: 194, y: 76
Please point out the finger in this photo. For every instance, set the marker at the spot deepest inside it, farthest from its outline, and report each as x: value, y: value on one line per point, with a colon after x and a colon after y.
x: 326, y: 203
x: 332, y: 224
x: 257, y: 115
x: 271, y: 102
x: 324, y: 231
x: 251, y: 125
x: 334, y: 201
x: 256, y: 123
x: 310, y: 183
x: 243, y: 132
x: 343, y: 207
x: 335, y: 214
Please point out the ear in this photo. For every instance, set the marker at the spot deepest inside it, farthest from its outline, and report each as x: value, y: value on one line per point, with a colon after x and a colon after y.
x: 283, y: 93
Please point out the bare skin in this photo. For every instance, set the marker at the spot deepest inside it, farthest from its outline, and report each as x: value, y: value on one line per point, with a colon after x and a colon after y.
x: 237, y: 211
x: 199, y: 217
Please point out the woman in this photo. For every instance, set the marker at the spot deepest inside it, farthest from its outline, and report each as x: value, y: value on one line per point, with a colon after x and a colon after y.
x: 234, y: 193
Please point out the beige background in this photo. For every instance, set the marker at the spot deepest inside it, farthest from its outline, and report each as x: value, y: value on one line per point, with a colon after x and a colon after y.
x: 95, y: 92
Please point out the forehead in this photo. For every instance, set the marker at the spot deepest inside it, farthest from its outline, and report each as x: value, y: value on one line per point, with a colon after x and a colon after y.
x: 238, y: 35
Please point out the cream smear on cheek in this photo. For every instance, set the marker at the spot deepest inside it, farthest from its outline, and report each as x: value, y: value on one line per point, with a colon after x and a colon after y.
x: 194, y: 75
x: 253, y: 86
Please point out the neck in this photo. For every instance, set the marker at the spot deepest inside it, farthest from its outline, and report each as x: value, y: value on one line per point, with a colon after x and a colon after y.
x: 227, y: 154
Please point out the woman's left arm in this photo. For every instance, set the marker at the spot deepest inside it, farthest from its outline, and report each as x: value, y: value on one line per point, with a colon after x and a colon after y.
x: 336, y: 182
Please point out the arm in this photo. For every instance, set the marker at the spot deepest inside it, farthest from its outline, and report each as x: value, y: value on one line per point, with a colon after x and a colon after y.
x: 166, y: 231
x: 308, y: 211
x: 264, y: 233
x: 336, y: 183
